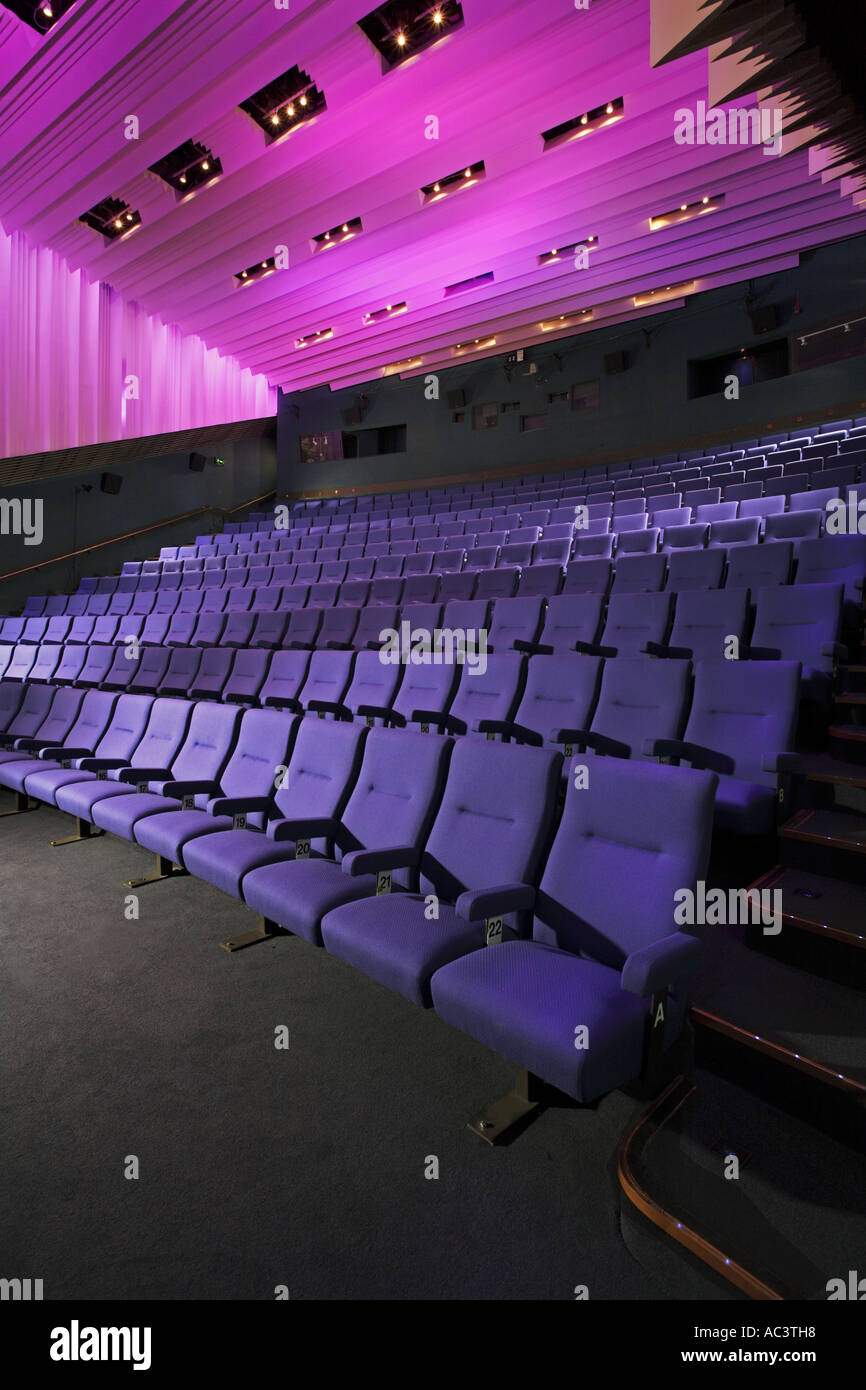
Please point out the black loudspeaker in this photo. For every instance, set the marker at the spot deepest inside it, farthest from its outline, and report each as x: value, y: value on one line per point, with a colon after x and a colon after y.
x: 764, y: 320
x: 110, y: 482
x: 456, y: 400
x: 615, y: 362
x: 197, y: 463
x: 353, y: 416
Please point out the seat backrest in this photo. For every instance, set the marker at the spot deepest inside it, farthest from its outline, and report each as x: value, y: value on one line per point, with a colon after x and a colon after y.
x: 514, y: 618
x: 498, y: 583
x: 560, y: 693
x: 61, y: 714
x: 209, y: 740
x: 494, y: 819
x: 635, y: 619
x: 794, y: 526
x: 398, y: 790
x: 249, y: 669
x: 96, y: 664
x: 490, y: 688
x: 373, y: 682
x: 835, y: 559
x: 695, y: 569
x: 642, y: 698
x: 639, y: 574
x: 629, y: 841
x: 744, y: 710
x: 322, y: 768
x: 11, y: 694
x: 165, y: 731
x: 328, y: 677
x: 571, y: 618
x: 756, y: 566
x: 264, y: 739
x: 183, y: 664
x: 286, y: 675
x: 705, y: 620
x: 588, y: 577
x: 47, y: 657
x: 213, y: 671
x: 744, y: 530
x: 796, y: 621
x: 761, y: 506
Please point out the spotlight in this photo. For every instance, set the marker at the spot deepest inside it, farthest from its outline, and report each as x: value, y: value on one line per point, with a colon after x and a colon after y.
x: 290, y: 110
x: 129, y: 217
x: 264, y: 265
x: 584, y: 119
x: 303, y: 101
x: 47, y: 11
x: 118, y: 224
x: 554, y: 252
x: 327, y: 236
x: 705, y: 200
x: 437, y: 17
x: 243, y: 275
x: 401, y: 39
x: 345, y: 226
x: 466, y: 173
x: 435, y: 188
x: 183, y: 178
x: 275, y: 118
x: 609, y: 108
x: 205, y: 166
x: 683, y: 207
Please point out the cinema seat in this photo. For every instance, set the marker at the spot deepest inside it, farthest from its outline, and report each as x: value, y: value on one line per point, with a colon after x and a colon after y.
x: 152, y: 751
x: 757, y: 566
x: 632, y: 621
x: 150, y: 672
x: 639, y: 574
x: 588, y: 577
x: 605, y: 955
x: 801, y: 622
x: 389, y: 811
x: 77, y: 739
x: 704, y: 623
x: 836, y: 560
x: 183, y: 664
x: 476, y: 868
x: 96, y: 665
x: 558, y: 697
x: 193, y: 773
x: 213, y: 672
x: 695, y: 569
x: 47, y: 657
x: 11, y: 696
x: 263, y: 744
x: 569, y: 619
x: 741, y: 726
x: 319, y: 777
x: 248, y: 673
x: 490, y: 691
x: 60, y: 716
x: 514, y: 619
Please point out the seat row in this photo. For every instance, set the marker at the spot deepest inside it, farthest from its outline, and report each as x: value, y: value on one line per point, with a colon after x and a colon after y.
x: 438, y: 869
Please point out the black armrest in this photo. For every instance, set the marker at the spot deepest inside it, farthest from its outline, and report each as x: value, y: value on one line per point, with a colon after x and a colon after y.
x: 145, y: 774
x: 372, y: 861
x: 283, y: 702
x: 661, y: 649
x: 313, y: 827
x: 58, y: 751
x: 594, y: 649
x: 33, y: 745
x: 102, y: 764
x: 693, y: 753
x: 532, y: 648
x: 764, y: 654
x: 339, y: 711
x: 390, y: 716
x: 189, y: 788
x: 232, y: 805
x: 446, y: 723
x: 509, y: 729
x: 600, y: 743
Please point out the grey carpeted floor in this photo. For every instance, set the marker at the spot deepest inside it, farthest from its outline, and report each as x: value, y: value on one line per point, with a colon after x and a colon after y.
x: 261, y: 1167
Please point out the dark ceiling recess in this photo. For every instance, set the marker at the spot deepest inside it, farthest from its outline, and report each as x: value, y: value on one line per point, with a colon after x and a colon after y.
x: 811, y: 59
x: 112, y: 218
x: 403, y: 28
x: 287, y: 102
x: 41, y: 15
x: 188, y: 167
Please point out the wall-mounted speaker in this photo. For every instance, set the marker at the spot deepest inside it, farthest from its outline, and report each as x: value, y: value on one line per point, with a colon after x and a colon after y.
x: 110, y: 482
x: 764, y: 320
x: 615, y: 362
x: 456, y: 400
x: 197, y: 463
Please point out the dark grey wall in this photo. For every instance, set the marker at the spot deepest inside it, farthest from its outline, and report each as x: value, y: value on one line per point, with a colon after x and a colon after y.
x: 152, y: 490
x: 642, y: 410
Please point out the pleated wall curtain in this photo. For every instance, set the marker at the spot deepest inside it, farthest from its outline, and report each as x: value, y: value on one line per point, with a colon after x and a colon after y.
x: 79, y: 365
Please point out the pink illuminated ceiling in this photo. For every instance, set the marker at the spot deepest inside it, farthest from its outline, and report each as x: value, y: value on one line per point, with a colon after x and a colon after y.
x: 512, y: 71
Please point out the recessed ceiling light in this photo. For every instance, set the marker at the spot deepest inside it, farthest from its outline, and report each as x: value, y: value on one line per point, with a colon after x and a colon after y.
x: 401, y: 40
x: 275, y: 118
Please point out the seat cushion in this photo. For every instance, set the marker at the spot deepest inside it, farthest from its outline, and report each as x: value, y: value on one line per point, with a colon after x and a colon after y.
x: 746, y: 808
x: 120, y: 813
x: 223, y: 859
x: 168, y: 832
x: 79, y: 798
x: 525, y: 1000
x: 390, y: 939
x: 297, y: 894
x: 45, y: 783
x: 12, y: 775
